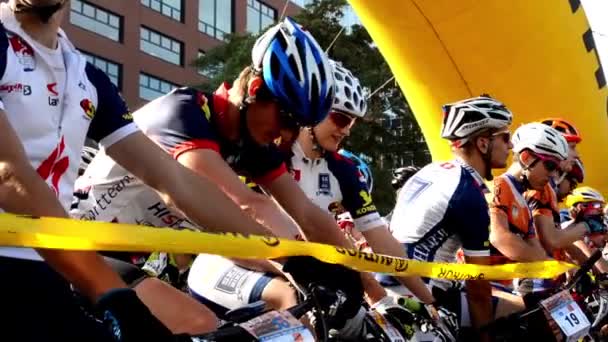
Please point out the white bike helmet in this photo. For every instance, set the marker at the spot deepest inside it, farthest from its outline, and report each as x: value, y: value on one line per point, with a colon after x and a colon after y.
x: 296, y: 71
x: 540, y: 139
x: 464, y: 118
x: 349, y: 94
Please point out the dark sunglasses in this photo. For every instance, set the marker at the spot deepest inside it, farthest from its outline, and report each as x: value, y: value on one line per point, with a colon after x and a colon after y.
x: 341, y: 120
x: 549, y: 164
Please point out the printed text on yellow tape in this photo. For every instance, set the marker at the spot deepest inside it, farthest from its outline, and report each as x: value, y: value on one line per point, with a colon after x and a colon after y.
x: 87, y: 235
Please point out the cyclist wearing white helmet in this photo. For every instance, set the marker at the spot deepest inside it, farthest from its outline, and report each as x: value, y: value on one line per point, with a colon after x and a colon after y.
x: 230, y: 133
x: 539, y: 151
x: 442, y: 207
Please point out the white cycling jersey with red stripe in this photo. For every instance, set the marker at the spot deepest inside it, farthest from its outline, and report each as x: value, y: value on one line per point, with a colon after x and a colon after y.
x: 54, y: 99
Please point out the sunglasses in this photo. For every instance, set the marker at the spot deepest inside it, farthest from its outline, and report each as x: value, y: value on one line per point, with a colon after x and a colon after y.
x: 505, y: 135
x: 549, y: 163
x: 341, y: 120
x: 591, y: 205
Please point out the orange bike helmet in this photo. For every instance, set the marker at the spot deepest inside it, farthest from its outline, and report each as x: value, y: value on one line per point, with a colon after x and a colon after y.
x: 564, y: 127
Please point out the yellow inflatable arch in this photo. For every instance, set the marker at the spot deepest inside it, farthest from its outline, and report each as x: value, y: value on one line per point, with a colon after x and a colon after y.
x: 538, y: 57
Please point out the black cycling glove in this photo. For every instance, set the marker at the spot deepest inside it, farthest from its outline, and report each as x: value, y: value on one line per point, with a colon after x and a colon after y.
x: 307, y: 270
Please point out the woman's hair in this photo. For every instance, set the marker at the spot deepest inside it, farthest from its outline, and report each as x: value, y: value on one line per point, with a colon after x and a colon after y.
x: 243, y: 82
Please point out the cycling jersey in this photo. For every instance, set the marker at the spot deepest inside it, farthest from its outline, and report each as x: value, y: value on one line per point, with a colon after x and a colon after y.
x: 441, y: 209
x: 51, y: 119
x: 508, y: 198
x: 180, y: 121
x: 333, y: 182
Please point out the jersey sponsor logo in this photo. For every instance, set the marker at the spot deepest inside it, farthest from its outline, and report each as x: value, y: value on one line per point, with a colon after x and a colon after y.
x: 104, y: 201
x: 324, y: 185
x: 24, y: 53
x: 203, y: 104
x: 367, y: 206
x: 16, y: 88
x: 89, y: 108
x: 53, y: 94
x: 128, y: 116
x: 423, y: 249
x: 159, y: 210
x: 232, y: 280
x: 51, y: 88
x: 366, y: 197
x: 54, y: 166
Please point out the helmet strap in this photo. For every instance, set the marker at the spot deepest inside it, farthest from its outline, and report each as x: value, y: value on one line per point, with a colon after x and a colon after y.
x: 487, y: 159
x: 244, y: 134
x: 315, y: 143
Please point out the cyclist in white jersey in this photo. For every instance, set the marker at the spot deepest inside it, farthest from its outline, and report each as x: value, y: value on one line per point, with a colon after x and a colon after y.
x: 51, y: 99
x: 228, y: 133
x: 442, y: 207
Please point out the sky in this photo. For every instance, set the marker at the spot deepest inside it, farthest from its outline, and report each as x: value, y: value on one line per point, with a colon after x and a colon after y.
x: 597, y: 15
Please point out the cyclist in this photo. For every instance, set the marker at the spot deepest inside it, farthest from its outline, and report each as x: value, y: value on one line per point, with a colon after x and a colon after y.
x: 442, y: 207
x: 230, y: 133
x: 330, y: 180
x: 585, y: 206
x: 539, y: 151
x: 544, y: 202
x: 41, y: 70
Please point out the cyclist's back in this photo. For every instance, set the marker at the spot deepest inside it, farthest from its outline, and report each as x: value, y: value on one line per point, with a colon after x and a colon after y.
x: 441, y: 209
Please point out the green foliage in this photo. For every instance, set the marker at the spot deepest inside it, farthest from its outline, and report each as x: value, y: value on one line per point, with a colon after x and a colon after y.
x: 386, y: 147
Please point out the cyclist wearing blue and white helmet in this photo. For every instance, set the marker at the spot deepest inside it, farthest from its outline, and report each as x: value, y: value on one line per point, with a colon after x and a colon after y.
x: 226, y: 134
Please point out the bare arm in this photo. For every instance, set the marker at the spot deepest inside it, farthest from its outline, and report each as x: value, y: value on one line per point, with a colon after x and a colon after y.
x: 479, y: 295
x: 581, y: 252
x: 317, y: 224
x: 22, y: 191
x: 554, y: 238
x: 197, y: 197
x: 511, y: 245
x: 383, y: 242
x: 263, y: 209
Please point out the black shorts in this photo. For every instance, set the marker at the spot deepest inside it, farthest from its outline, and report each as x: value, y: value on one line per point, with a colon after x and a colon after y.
x: 39, y: 305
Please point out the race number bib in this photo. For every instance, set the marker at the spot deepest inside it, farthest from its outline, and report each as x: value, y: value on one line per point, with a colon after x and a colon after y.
x: 278, y: 327
x: 568, y: 315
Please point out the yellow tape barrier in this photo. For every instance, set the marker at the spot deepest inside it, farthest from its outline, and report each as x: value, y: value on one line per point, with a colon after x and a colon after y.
x: 69, y: 234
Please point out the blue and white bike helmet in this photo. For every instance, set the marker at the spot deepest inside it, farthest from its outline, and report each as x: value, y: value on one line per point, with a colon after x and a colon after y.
x: 296, y: 71
x: 365, y: 170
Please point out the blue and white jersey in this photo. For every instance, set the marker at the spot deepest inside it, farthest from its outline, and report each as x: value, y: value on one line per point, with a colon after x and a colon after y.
x: 334, y: 183
x: 441, y: 209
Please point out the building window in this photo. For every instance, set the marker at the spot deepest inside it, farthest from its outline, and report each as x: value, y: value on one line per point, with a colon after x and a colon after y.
x: 215, y: 17
x: 161, y: 46
x: 169, y: 8
x: 113, y: 70
x: 151, y: 87
x: 96, y: 19
x: 259, y: 16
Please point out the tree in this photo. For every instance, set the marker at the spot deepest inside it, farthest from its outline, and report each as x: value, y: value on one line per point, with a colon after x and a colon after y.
x: 388, y: 136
